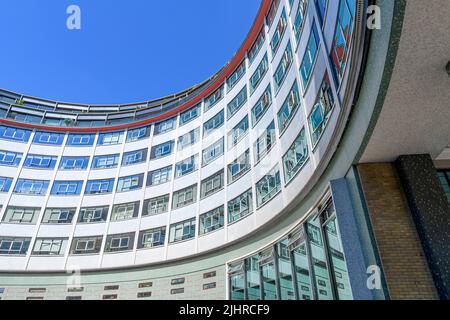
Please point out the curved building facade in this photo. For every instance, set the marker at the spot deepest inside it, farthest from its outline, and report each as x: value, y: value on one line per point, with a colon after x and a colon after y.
x: 251, y: 185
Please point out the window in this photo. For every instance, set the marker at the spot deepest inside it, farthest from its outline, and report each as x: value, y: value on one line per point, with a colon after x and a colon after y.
x: 213, y: 152
x: 99, y: 186
x: 31, y: 187
x: 11, y: 159
x: 134, y: 157
x: 208, y: 286
x: 92, y: 215
x: 236, y: 76
x: 66, y: 188
x: 181, y: 231
x: 142, y: 295
x: 130, y: 183
x: 190, y: 115
x: 188, y: 139
x: 150, y: 239
x: 272, y: 12
x: 289, y: 108
x: 321, y: 9
x: 186, y: 166
x: 310, y: 56
x: 238, y: 132
x: 260, y: 72
x: 261, y: 106
x: 256, y: 47
x: 239, y: 167
x: 106, y: 162
x: 278, y: 35
x: 109, y: 297
x: 162, y: 150
x: 37, y: 290
x: 265, y: 142
x: 156, y: 206
x: 74, y: 163
x: 342, y: 37
x: 5, y: 184
x: 48, y: 138
x: 212, y: 184
x: 110, y: 138
x: 209, y: 275
x: 165, y: 126
x: 268, y: 187
x: 159, y: 176
x: 125, y: 211
x: 237, y: 102
x: 213, y: 123
x: 296, y: 156
x: 214, y: 98
x: 283, y: 67
x: 14, y: 246
x: 73, y: 298
x: 75, y: 289
x: 145, y: 285
x: 212, y: 220
x: 20, y: 215
x: 50, y: 247
x: 138, y: 134
x: 321, y: 111
x: 119, y: 242
x: 444, y: 178
x: 111, y: 288
x: 184, y: 197
x: 299, y: 21
x: 177, y: 291
x: 14, y: 134
x: 40, y: 162
x: 86, y: 245
x: 58, y: 216
x: 240, y: 207
x: 81, y: 140
x: 177, y: 281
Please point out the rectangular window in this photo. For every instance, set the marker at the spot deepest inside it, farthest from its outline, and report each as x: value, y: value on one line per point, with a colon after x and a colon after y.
x: 67, y: 188
x: 209, y: 275
x: 130, y: 183
x: 213, y: 123
x: 238, y: 132
x: 188, y: 139
x: 279, y: 32
x: 177, y: 281
x: 186, y: 166
x: 125, y: 211
x: 162, y: 150
x: 295, y: 157
x: 99, y: 186
x: 86, y: 245
x: 159, y: 176
x: 182, y: 231
x: 155, y: 206
x: 261, y: 106
x: 184, y: 197
x: 212, y: 220
x: 14, y: 134
x: 106, y: 162
x: 138, y: 134
x: 145, y: 285
x: 31, y: 187
x: 272, y: 12
x: 289, y: 108
x: 110, y: 138
x: 240, y: 207
x: 213, y: 152
x: 110, y: 297
x: 134, y: 157
x: 14, y: 246
x: 190, y: 115
x: 81, y: 140
x: 165, y: 126
x: 119, y: 242
x: 214, y: 98
x: 10, y: 159
x: 177, y: 291
x: 208, y: 286
x: 93, y: 215
x: 283, y: 67
x: 239, y: 167
x: 321, y: 9
x: 299, y: 21
x: 212, y: 184
x: 259, y: 74
x: 150, y: 239
x: 236, y: 76
x: 268, y: 187
x: 21, y: 215
x: 265, y: 142
x: 5, y: 184
x: 256, y: 47
x: 40, y: 162
x: 74, y: 163
x: 444, y: 178
x: 238, y: 101
x: 310, y: 56
x: 58, y: 216
x: 50, y: 247
x: 49, y: 138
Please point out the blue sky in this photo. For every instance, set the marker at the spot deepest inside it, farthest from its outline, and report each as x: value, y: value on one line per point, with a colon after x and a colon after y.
x: 126, y: 51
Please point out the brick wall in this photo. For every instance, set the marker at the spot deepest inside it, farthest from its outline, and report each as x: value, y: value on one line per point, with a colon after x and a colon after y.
x: 406, y: 270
